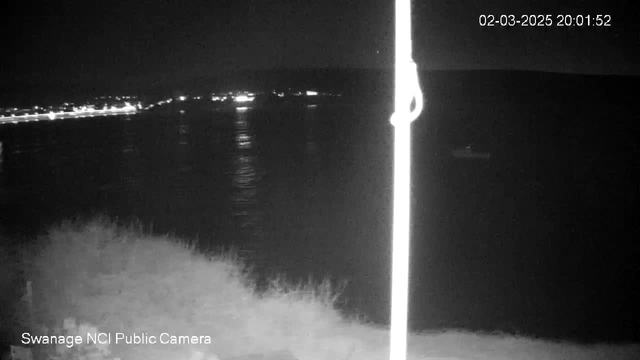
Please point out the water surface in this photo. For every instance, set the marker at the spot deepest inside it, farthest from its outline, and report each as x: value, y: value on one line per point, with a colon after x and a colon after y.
x: 522, y: 242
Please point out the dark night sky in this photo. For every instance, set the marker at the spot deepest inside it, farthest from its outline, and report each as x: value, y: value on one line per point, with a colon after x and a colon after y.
x: 144, y: 39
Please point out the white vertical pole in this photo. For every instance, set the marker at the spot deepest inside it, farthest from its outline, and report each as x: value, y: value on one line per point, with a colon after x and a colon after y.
x: 403, y: 55
x: 406, y: 89
x: 400, y: 258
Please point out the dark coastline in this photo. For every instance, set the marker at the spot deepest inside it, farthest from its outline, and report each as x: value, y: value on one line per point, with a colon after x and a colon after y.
x: 362, y: 84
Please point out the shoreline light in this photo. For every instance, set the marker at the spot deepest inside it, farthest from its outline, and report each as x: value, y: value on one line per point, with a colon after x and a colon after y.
x: 243, y: 98
x: 77, y: 113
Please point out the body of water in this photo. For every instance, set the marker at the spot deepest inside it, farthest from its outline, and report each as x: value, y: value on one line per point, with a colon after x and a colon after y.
x: 538, y: 239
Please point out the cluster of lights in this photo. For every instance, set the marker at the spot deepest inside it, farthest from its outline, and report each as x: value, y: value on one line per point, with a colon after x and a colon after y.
x: 162, y: 102
x: 243, y: 98
x: 87, y: 110
x: 119, y: 98
x: 91, y: 108
x: 240, y: 97
x: 166, y: 101
x: 186, y: 97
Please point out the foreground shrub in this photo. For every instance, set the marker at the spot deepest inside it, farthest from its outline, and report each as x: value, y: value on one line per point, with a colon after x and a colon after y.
x: 126, y: 282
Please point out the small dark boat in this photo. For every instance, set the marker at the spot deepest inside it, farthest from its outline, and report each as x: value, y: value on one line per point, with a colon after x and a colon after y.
x: 468, y: 153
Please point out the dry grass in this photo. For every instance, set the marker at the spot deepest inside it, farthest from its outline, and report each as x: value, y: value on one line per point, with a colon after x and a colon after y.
x: 124, y: 281
x: 10, y: 286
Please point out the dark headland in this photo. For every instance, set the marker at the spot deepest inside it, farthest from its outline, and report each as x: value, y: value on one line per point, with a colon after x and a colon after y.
x: 362, y: 85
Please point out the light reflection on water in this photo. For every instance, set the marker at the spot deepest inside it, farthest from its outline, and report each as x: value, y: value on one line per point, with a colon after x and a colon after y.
x: 245, y: 178
x: 310, y: 118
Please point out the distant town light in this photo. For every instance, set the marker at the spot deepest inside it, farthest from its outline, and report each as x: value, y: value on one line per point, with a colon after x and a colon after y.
x: 243, y: 98
x: 311, y: 93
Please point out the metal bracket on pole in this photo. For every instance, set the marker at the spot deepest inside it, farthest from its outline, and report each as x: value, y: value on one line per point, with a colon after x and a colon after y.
x: 416, y: 94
